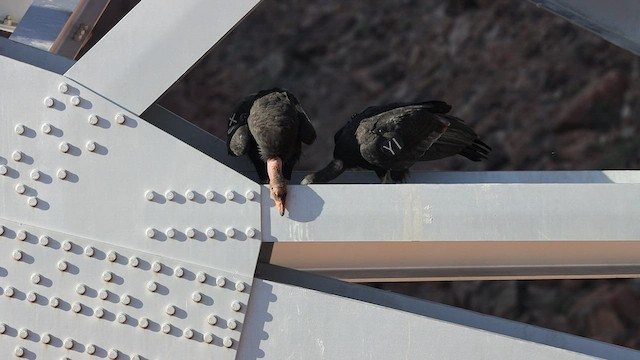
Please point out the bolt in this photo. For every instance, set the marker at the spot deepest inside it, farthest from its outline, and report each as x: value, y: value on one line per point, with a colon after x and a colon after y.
x: 201, y: 277
x: 46, y: 128
x: 21, y: 189
x: 126, y: 299
x: 107, y: 276
x: 235, y: 305
x: 251, y: 232
x: 44, y: 240
x: 76, y: 307
x: 196, y: 297
x: 16, y: 155
x: 170, y: 195
x: 188, y: 333
x: 103, y: 294
x: 212, y: 319
x: 156, y: 267
x: 75, y: 100
x: 17, y: 255
x: 89, y: 251
x: 45, y: 338
x: 99, y: 313
x: 32, y: 297
x: 91, y: 349
x: 22, y: 235
x: 54, y: 302
x: 48, y: 102
x: 230, y: 195
x: 91, y: 146
x: 240, y: 286
x: 144, y: 322
x: 36, y: 278
x: 232, y: 324
x: 122, y: 318
x: 120, y: 118
x: 171, y: 233
x: 149, y: 195
x: 35, y: 174
x: 134, y: 261
x: 166, y: 328
x: 152, y: 286
x: 113, y: 354
x: 9, y: 291
x: 68, y: 343
x: 64, y: 146
x: 191, y: 232
x: 93, y: 119
x: 251, y: 195
x: 67, y: 245
x: 19, y: 129
x: 4, y: 169
x: 63, y: 88
x: 62, y: 174
x: 24, y: 333
x: 150, y: 232
x: 170, y: 309
x: 112, y: 256
x: 190, y: 194
x: 210, y: 195
x: 32, y: 201
x: 221, y: 281
x: 62, y: 265
x: 19, y: 351
x: 208, y: 338
x: 81, y: 289
x: 179, y: 271
x: 211, y: 232
x: 227, y: 342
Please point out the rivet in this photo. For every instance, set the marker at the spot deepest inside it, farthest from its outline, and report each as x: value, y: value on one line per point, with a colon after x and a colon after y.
x: 35, y: 174
x: 17, y: 255
x: 171, y: 233
x: 62, y: 265
x: 201, y: 277
x: 21, y: 235
x: 98, y: 312
x: 91, y: 145
x: 149, y: 195
x: 196, y: 296
x: 134, y: 261
x: 19, y: 351
x: 63, y: 88
x: 16, y: 155
x: 81, y: 289
x: 113, y: 354
x: 48, y: 102
x: 235, y: 305
x: 125, y: 299
x: 232, y: 324
x: 190, y: 194
x: 208, y: 338
x: 240, y: 286
x: 3, y: 328
x: 103, y: 294
x: 9, y: 291
x: 62, y: 174
x: 150, y: 232
x: 19, y: 129
x: 36, y: 278
x: 93, y: 119
x: 91, y: 349
x: 221, y: 281
x: 251, y: 232
x: 230, y: 232
x: 54, y: 302
x: 178, y: 271
x: 210, y: 195
x: 212, y: 319
x: 152, y: 286
x: 68, y: 343
x: 107, y: 276
x: 32, y: 297
x: 24, y: 333
x: 230, y: 195
x: 143, y: 322
x: 45, y: 338
x: 170, y: 309
x: 170, y: 195
x: 156, y: 267
x: 166, y: 328
x: 188, y: 333
x: 4, y: 169
x: 1, y: 229
x: 122, y: 318
x: 32, y: 201
x: 136, y: 357
x: 76, y: 307
x: 211, y: 232
x: 250, y: 195
x: 75, y: 100
x: 112, y: 256
x: 21, y: 189
x: 120, y: 119
x: 46, y: 128
x: 89, y: 251
x: 227, y: 342
x: 191, y: 232
x: 67, y: 245
x: 64, y: 146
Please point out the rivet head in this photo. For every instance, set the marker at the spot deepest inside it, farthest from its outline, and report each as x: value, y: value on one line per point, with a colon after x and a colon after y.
x: 68, y: 343
x: 251, y: 232
x: 230, y: 195
x: 112, y: 354
x: 230, y: 232
x: 89, y: 251
x: 143, y: 322
x: 17, y: 255
x: 48, y: 102
x: 151, y: 233
x: 35, y: 174
x: 208, y: 338
x: 23, y: 333
x: 240, y: 286
x: 21, y: 189
x: 19, y: 351
x: 62, y: 265
x: 45, y: 338
x: 221, y: 281
x: 152, y: 286
x: 54, y: 302
x: 32, y: 201
x: 91, y: 146
x: 156, y: 267
x: 81, y: 289
x: 227, y: 342
x: 107, y: 276
x: 9, y: 291
x: 1, y: 229
x: 134, y: 261
x: 250, y: 195
x: 112, y: 256
x: 232, y: 324
x: 21, y: 235
x: 170, y: 195
x: 76, y: 307
x: 210, y: 195
x: 91, y: 349
x: 196, y: 297
x: 171, y: 233
x: 188, y: 333
x: 32, y: 297
x: 201, y: 277
x: 67, y: 245
x: 190, y: 194
x: 62, y: 174
x: 178, y: 271
x: 191, y: 232
x: 16, y: 155
x: 36, y: 278
x: 99, y: 313
x: 122, y: 318
x: 211, y: 232
x: 125, y: 300
x: 19, y: 129
x: 212, y: 319
x: 46, y: 128
x: 170, y: 309
x: 136, y: 357
x: 75, y: 100
x: 64, y: 147
x: 63, y: 88
x: 92, y: 119
x: 44, y: 240
x: 166, y: 328
x: 235, y: 305
x: 103, y: 294
x: 120, y: 118
x: 3, y: 328
x: 4, y: 169
x: 149, y: 195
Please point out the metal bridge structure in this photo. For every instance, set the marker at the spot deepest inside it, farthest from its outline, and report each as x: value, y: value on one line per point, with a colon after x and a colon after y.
x: 127, y: 233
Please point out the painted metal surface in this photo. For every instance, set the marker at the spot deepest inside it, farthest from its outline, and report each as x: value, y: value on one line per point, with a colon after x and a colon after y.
x: 33, y: 56
x: 163, y: 36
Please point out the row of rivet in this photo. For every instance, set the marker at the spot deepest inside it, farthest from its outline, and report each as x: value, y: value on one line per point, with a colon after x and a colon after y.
x: 75, y: 100
x: 191, y: 232
x: 191, y: 195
